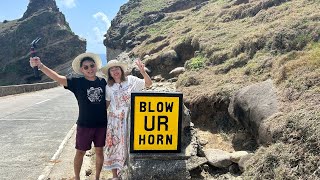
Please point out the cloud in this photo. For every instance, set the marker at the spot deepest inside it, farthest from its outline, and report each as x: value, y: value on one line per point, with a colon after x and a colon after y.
x: 101, y: 25
x: 67, y: 3
x: 104, y: 18
x: 99, y: 34
x: 96, y: 35
x: 95, y: 42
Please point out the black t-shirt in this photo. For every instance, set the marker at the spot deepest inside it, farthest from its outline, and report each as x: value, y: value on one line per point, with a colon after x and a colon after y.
x: 91, y: 100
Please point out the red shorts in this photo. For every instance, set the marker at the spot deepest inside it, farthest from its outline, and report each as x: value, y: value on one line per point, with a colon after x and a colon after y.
x: 85, y: 137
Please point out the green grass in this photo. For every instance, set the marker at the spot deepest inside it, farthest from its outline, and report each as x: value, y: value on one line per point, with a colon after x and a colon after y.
x: 196, y: 63
x: 160, y: 28
x: 144, y: 7
x: 314, y: 57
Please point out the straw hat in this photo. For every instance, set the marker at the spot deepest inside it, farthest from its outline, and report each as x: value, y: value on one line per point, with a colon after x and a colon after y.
x: 76, y: 62
x: 111, y: 64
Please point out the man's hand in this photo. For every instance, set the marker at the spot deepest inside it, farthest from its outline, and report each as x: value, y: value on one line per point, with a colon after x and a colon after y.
x: 35, y: 61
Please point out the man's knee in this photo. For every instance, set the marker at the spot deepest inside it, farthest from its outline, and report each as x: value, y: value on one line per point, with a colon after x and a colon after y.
x: 99, y: 151
x: 80, y: 153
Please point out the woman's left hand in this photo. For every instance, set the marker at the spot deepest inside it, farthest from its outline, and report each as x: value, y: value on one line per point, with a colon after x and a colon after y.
x: 140, y: 66
x: 146, y: 77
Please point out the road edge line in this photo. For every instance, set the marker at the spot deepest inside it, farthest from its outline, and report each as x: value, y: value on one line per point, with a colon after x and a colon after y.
x: 47, y: 170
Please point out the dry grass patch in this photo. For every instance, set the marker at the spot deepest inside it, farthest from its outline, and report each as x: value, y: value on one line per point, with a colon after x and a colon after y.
x: 299, y: 70
x: 216, y: 140
x: 296, y: 155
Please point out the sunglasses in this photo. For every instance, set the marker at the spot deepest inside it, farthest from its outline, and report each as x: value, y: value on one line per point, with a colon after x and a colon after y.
x: 87, y: 67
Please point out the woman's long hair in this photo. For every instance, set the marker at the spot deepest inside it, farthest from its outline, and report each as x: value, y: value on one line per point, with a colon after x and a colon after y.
x: 111, y: 81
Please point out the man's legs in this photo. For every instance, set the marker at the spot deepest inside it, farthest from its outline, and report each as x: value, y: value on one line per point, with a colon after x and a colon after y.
x: 99, y: 161
x: 99, y: 142
x: 77, y: 163
x: 83, y: 143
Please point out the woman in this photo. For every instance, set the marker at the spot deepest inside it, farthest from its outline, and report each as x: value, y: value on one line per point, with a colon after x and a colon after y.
x: 118, y: 96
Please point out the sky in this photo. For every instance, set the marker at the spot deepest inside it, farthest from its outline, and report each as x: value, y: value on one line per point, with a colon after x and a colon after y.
x: 90, y: 19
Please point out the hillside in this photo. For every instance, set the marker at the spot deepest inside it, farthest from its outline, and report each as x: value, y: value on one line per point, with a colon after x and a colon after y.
x: 57, y: 47
x: 226, y: 45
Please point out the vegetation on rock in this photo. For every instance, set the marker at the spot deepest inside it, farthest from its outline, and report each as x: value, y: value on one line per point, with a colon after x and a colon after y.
x: 227, y: 45
x: 58, y: 45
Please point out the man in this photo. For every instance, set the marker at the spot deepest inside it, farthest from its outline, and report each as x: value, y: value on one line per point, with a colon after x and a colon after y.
x: 89, y: 91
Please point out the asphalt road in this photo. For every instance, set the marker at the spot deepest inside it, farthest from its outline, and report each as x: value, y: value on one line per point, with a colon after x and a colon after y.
x: 32, y: 126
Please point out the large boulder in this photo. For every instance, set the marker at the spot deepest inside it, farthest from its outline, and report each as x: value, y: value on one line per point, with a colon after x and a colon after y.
x: 254, y: 104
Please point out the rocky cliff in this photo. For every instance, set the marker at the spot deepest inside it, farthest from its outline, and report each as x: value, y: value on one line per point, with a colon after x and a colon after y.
x: 57, y: 47
x: 262, y: 54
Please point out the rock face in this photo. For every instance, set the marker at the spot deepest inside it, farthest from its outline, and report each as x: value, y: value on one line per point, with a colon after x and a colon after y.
x: 57, y: 47
x: 129, y: 29
x: 122, y: 33
x: 36, y: 5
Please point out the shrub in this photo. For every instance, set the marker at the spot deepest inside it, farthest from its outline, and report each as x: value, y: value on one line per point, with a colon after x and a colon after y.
x: 196, y: 63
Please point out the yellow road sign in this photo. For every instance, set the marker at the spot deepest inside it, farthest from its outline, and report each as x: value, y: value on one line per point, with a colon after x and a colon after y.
x: 155, y: 122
